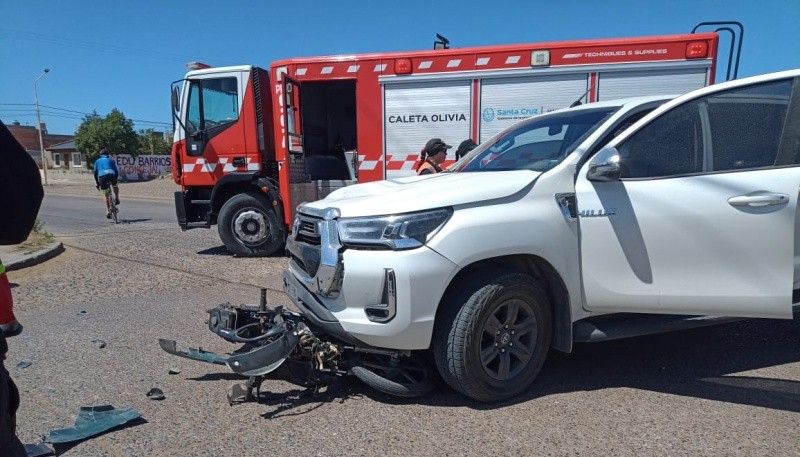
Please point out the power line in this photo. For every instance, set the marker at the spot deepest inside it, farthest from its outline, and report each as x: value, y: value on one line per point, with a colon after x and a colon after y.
x: 93, y: 46
x: 138, y: 121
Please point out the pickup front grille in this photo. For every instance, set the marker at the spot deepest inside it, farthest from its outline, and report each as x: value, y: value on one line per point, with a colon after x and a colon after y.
x: 305, y: 248
x: 308, y: 231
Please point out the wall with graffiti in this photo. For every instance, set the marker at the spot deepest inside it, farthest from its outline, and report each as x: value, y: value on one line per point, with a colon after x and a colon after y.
x: 142, y: 168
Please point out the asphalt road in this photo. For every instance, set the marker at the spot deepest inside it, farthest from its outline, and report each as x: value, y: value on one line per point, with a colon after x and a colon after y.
x: 727, y: 390
x: 70, y: 214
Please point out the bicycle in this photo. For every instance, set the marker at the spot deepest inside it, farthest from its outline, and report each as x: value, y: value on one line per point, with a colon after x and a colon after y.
x: 111, y: 197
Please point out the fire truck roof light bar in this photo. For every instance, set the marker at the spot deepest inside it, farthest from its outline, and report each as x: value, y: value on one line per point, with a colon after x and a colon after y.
x: 732, y: 62
x: 197, y: 65
x: 402, y: 66
x: 697, y: 50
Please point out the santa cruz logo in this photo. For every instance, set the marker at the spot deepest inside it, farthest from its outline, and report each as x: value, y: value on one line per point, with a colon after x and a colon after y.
x: 488, y: 115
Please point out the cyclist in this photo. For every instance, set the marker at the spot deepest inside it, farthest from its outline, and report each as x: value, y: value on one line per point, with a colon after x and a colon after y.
x: 105, y: 174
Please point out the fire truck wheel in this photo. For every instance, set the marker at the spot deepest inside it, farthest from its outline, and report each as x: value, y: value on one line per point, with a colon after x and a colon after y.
x: 249, y: 227
x: 494, y: 335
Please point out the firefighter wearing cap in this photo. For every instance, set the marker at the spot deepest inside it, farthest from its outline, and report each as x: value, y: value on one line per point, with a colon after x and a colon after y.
x: 432, y: 157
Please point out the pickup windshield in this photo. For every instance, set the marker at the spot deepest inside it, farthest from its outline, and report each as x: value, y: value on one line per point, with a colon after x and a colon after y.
x: 539, y: 143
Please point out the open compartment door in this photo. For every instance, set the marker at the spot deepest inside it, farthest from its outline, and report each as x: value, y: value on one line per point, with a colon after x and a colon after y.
x: 294, y: 121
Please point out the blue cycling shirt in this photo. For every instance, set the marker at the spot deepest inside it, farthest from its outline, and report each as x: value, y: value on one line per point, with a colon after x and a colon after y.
x: 105, y: 166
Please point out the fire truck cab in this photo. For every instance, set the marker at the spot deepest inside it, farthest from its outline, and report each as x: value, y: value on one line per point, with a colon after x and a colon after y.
x: 250, y: 144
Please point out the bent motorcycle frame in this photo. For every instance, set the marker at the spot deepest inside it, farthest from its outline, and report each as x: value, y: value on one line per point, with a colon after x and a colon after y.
x: 275, y: 338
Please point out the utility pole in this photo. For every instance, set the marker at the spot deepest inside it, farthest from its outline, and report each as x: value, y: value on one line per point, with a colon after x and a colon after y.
x: 39, y: 124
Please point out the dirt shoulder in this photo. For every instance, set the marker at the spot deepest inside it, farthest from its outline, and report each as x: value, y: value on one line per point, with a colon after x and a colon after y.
x: 82, y: 184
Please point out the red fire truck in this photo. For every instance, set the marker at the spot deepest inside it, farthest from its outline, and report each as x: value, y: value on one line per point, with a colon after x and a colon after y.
x: 250, y: 144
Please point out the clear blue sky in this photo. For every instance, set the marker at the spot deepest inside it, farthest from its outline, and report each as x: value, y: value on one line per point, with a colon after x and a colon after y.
x: 116, y: 54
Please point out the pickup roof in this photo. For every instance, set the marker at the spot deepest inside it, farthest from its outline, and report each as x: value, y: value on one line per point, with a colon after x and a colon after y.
x: 602, y: 221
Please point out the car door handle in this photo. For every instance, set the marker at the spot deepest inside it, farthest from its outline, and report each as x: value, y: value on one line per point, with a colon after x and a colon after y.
x: 239, y: 162
x: 759, y: 199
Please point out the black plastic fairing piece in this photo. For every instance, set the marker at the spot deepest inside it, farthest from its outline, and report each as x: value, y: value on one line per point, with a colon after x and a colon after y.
x: 250, y: 363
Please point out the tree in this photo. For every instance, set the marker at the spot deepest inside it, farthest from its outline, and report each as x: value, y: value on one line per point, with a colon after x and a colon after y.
x: 114, y: 132
x: 151, y: 142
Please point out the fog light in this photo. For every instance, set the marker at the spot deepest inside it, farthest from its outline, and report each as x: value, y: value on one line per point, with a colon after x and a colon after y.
x: 386, y: 310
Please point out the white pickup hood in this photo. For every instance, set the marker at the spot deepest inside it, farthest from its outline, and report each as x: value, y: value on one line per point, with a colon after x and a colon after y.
x: 418, y: 193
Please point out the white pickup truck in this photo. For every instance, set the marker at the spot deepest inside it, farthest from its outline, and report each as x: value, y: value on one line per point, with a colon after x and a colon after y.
x: 572, y: 226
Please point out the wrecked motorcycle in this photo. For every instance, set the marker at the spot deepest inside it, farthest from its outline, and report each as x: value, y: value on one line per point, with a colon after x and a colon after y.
x: 281, y: 344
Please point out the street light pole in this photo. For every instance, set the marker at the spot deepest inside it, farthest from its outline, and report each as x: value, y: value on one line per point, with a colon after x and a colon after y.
x: 39, y: 124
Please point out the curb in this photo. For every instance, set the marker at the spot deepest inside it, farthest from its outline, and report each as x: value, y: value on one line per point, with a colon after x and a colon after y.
x: 36, y: 258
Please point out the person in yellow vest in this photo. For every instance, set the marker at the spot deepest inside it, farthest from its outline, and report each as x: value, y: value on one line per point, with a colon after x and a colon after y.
x: 432, y: 157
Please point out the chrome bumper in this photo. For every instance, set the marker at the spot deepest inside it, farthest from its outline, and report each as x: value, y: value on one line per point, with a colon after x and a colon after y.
x: 321, y: 262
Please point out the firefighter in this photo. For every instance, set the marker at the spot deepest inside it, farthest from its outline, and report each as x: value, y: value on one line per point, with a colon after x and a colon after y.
x: 432, y: 157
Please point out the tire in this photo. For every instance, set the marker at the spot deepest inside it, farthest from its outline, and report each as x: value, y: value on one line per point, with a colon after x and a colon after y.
x: 249, y: 227
x: 412, y: 377
x: 114, y: 211
x: 479, y: 342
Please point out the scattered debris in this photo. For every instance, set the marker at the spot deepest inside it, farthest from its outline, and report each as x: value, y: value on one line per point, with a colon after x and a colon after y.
x: 174, y: 371
x: 239, y: 393
x: 155, y: 394
x: 192, y: 353
x: 99, y: 343
x: 38, y: 450
x: 24, y: 364
x: 286, y: 345
x: 91, y: 421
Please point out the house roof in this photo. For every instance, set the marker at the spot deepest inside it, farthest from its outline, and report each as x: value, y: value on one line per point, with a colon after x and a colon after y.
x: 64, y: 146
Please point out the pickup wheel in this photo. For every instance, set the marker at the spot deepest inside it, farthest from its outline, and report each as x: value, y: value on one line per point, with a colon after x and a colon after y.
x: 249, y: 227
x: 494, y: 334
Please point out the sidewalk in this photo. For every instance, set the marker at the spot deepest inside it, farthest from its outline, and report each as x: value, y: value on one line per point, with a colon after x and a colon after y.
x: 15, y: 258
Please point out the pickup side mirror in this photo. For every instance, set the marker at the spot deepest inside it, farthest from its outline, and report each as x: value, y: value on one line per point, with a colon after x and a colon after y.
x: 604, y: 166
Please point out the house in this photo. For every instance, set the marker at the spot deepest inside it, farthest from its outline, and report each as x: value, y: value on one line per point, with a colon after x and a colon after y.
x: 28, y: 137
x: 66, y: 156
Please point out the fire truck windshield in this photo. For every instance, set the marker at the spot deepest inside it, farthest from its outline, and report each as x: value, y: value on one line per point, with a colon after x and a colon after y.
x: 539, y: 143
x: 220, y: 103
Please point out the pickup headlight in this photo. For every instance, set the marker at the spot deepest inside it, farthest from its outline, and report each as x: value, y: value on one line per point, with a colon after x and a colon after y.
x: 402, y: 231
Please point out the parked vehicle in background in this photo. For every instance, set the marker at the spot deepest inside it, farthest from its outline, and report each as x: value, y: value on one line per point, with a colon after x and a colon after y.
x: 251, y: 143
